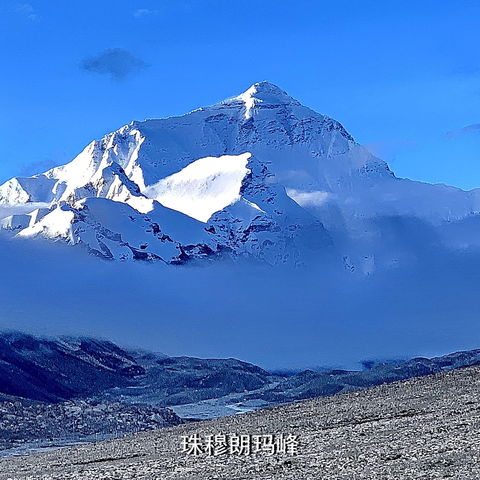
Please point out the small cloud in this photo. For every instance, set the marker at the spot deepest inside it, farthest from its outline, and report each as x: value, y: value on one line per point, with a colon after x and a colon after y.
x: 144, y: 12
x: 27, y: 10
x: 116, y: 62
x: 474, y: 127
x: 389, y: 147
x: 315, y: 198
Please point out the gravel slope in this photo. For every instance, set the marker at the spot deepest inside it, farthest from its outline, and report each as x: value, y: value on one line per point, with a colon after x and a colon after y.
x: 425, y: 428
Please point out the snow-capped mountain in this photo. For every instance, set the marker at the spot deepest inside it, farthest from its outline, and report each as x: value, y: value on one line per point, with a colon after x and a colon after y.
x: 258, y: 175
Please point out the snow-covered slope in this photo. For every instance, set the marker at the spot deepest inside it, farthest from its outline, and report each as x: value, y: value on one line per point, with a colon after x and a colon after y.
x: 256, y: 175
x: 203, y: 187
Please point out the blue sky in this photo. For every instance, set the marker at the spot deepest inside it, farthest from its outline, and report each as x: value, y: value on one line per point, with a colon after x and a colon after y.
x: 402, y: 76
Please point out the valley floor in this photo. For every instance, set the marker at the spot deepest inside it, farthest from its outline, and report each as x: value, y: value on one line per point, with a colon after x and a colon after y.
x: 424, y: 428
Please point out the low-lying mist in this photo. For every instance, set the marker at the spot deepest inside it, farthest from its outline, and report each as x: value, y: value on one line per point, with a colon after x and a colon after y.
x: 275, y: 317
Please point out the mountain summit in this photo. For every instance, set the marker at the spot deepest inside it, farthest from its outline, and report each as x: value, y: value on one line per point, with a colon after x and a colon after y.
x: 261, y: 95
x: 257, y: 176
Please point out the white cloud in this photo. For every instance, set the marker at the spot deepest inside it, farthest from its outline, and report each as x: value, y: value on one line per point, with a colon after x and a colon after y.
x: 474, y: 128
x: 316, y: 198
x: 27, y: 10
x: 144, y: 12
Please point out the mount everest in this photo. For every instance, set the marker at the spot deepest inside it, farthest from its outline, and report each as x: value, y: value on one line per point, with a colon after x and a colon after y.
x: 257, y: 176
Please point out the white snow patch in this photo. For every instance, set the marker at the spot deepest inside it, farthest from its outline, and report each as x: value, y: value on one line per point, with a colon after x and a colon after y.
x: 261, y: 93
x: 140, y: 204
x: 203, y: 187
x: 249, y: 100
x: 57, y: 224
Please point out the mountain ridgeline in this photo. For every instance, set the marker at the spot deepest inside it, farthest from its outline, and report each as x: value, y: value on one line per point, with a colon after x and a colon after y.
x: 54, y: 370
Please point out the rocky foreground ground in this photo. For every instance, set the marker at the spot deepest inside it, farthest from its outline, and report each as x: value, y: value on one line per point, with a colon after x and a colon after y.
x: 424, y: 428
x: 28, y: 424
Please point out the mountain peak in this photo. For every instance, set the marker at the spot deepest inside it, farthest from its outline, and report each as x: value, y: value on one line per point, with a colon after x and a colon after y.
x: 262, y: 94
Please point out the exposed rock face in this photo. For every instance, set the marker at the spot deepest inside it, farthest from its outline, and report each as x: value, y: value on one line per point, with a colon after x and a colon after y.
x: 26, y: 424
